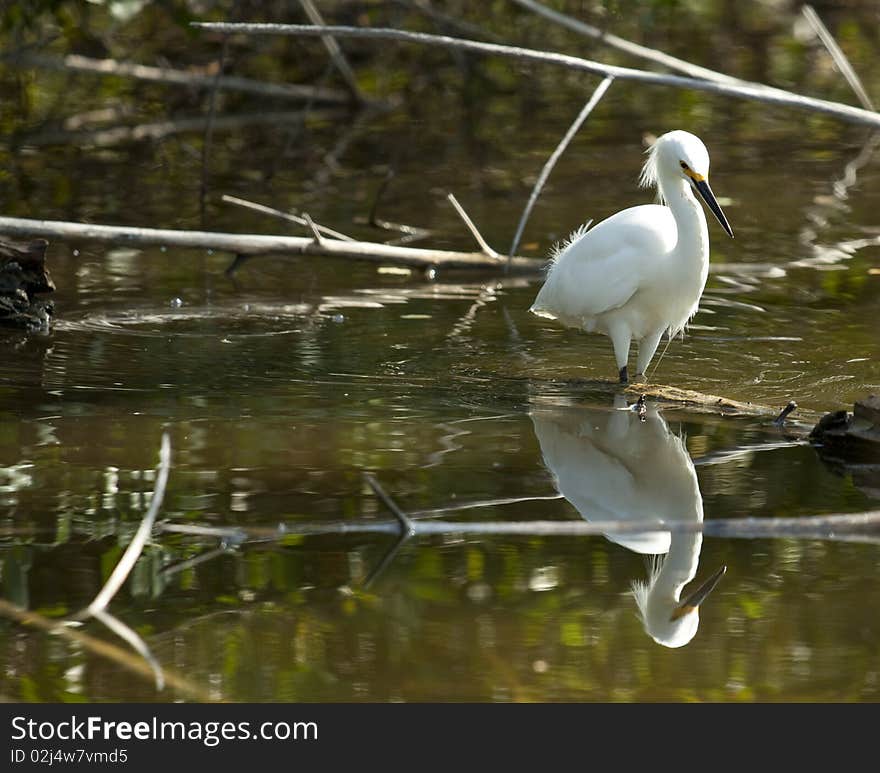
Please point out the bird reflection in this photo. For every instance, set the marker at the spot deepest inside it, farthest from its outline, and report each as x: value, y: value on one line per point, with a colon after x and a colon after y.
x: 615, y: 465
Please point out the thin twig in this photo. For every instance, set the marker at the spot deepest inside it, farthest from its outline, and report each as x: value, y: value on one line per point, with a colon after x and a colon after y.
x: 753, y: 91
x: 406, y: 524
x: 554, y: 157
x: 386, y: 559
x: 335, y: 51
x: 780, y: 419
x: 316, y: 235
x: 410, y: 233
x: 201, y: 558
x: 284, y: 216
x: 125, y: 633
x: 840, y: 59
x: 209, y: 130
x: 121, y: 657
x: 133, y: 551
x: 487, y: 250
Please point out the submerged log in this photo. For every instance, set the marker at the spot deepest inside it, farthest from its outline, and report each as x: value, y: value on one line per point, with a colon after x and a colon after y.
x: 23, y: 275
x: 707, y: 402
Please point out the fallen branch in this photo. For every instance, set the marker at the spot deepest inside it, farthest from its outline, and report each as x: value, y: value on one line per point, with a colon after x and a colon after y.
x: 756, y: 92
x: 856, y: 527
x: 261, y: 244
x: 172, y: 77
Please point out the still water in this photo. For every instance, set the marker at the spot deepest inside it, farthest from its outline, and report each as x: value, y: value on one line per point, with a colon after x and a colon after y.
x: 280, y: 387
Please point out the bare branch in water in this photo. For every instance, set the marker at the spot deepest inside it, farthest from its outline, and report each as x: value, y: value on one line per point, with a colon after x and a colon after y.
x: 209, y: 131
x: 136, y: 546
x: 410, y: 233
x: 316, y: 235
x: 104, y: 649
x: 406, y: 525
x: 487, y: 250
x: 554, y: 157
x: 261, y: 244
x: 339, y: 60
x: 840, y: 59
x: 754, y: 91
x: 845, y: 527
x: 135, y: 642
x: 289, y: 216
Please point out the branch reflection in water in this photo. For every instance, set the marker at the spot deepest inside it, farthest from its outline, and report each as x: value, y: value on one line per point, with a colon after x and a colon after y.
x: 613, y: 465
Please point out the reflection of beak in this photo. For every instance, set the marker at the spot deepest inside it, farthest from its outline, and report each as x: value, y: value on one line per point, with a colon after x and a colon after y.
x: 706, y: 192
x: 696, y: 598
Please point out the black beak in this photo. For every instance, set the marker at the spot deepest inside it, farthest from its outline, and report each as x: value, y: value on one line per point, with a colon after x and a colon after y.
x: 696, y: 598
x: 706, y: 192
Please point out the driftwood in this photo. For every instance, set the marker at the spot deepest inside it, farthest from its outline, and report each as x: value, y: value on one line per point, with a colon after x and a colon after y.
x: 755, y: 92
x: 23, y: 275
x: 260, y: 244
x: 692, y: 399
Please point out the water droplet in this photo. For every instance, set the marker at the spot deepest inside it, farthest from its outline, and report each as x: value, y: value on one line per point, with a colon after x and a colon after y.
x: 338, y: 318
x: 176, y: 303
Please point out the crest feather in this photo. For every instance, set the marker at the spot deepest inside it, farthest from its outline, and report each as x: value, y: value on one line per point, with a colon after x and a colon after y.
x: 648, y: 177
x: 641, y: 590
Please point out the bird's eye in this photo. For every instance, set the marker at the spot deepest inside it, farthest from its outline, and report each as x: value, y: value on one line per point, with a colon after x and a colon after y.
x: 683, y: 165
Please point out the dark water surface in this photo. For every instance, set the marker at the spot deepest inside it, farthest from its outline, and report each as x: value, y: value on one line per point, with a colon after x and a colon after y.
x: 281, y: 387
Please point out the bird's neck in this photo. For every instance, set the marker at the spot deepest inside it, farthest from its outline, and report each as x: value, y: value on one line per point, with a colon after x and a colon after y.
x: 679, y: 565
x: 693, y: 233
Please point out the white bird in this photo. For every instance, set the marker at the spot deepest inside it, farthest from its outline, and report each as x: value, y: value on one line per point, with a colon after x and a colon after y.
x: 612, y: 466
x: 641, y: 272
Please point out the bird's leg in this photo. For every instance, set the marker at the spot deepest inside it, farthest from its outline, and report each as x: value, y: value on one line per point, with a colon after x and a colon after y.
x: 647, y: 347
x: 621, y: 336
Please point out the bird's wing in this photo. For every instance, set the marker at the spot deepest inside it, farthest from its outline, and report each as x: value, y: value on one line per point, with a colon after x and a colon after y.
x: 603, y: 268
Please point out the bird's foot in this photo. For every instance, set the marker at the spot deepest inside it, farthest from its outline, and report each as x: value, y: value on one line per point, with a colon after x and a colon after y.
x: 641, y: 378
x: 624, y: 376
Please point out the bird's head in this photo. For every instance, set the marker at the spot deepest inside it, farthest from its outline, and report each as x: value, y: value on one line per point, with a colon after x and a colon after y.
x: 667, y: 620
x: 680, y: 155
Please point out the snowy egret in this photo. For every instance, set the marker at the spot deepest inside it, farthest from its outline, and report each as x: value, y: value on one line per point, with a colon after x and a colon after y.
x: 641, y: 272
x: 612, y: 466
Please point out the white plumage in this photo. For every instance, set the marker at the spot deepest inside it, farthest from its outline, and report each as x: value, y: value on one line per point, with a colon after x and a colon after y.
x: 613, y: 467
x: 641, y: 272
